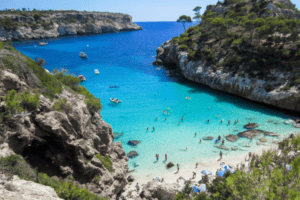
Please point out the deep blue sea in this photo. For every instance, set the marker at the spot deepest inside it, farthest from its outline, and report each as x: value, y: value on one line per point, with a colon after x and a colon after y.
x: 125, y: 59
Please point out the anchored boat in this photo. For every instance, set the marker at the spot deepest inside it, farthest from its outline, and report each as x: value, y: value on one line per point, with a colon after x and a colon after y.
x: 115, y: 100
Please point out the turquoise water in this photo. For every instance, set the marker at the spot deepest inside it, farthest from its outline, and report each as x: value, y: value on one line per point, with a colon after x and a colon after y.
x: 124, y: 59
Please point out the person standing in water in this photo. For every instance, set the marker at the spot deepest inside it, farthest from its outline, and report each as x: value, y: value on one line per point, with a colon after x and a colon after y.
x: 147, y: 129
x: 182, y: 118
x: 200, y: 140
x: 177, y: 167
x: 166, y: 157
x: 195, y: 134
x: 157, y: 156
x: 153, y: 128
x: 228, y: 122
x: 221, y: 154
x: 196, y: 165
x: 223, y: 141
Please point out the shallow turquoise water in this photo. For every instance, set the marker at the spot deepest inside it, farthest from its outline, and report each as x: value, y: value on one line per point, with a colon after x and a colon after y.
x: 124, y: 59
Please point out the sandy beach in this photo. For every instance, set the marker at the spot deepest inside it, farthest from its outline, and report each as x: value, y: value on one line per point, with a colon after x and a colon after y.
x: 187, y: 173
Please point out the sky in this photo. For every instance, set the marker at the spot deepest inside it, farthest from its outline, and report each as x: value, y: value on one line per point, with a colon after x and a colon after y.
x: 140, y: 10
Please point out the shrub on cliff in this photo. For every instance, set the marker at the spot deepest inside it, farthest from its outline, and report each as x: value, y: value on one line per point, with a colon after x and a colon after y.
x: 8, y: 24
x: 106, y: 162
x: 62, y: 106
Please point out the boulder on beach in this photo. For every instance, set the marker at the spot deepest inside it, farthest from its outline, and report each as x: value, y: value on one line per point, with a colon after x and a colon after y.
x: 130, y: 178
x: 222, y: 147
x: 133, y: 142
x: 169, y: 165
x: 231, y: 137
x: 250, y: 125
x: 132, y: 154
x: 250, y: 133
x: 271, y: 134
x: 82, y: 78
x: 234, y: 148
x: 208, y: 138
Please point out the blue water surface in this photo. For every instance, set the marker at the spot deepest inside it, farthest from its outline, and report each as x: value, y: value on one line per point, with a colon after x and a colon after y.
x: 124, y: 59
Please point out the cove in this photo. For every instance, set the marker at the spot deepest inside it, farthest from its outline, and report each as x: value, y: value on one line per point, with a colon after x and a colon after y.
x: 125, y: 59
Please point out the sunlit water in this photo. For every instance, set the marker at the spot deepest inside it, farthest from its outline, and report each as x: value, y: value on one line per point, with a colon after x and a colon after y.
x: 124, y: 59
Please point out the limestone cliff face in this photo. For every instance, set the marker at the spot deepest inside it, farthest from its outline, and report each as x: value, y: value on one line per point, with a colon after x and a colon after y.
x: 266, y: 90
x: 67, y: 23
x: 63, y: 144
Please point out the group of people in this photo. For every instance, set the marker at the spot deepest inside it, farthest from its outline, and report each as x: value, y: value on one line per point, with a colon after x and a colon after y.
x: 157, y: 157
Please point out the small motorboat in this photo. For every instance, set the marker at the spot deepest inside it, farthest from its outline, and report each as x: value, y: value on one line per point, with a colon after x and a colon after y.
x: 82, y: 55
x: 188, y: 97
x: 115, y: 100
x: 96, y: 71
x: 113, y: 86
x: 43, y: 43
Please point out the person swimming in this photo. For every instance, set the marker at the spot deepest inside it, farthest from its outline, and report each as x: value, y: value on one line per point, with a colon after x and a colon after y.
x: 218, y: 115
x: 228, y: 122
x: 165, y: 118
x: 195, y: 134
x: 178, y: 123
x: 222, y: 120
x: 207, y: 120
x: 156, y: 118
x: 153, y: 128
x: 200, y: 140
x: 182, y: 118
x: 147, y: 129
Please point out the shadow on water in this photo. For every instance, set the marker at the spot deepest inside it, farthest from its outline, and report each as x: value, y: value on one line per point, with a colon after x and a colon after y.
x: 243, y: 103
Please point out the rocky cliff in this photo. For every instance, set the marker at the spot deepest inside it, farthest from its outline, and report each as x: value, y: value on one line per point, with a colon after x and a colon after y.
x: 260, y: 66
x: 74, y: 142
x: 54, y: 24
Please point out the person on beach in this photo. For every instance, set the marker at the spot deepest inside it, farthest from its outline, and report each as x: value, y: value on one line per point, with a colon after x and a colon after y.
x: 177, y: 167
x: 137, y: 187
x: 221, y: 154
x: 196, y: 165
x: 166, y: 157
x: 194, y: 174
x: 228, y: 122
x: 153, y: 128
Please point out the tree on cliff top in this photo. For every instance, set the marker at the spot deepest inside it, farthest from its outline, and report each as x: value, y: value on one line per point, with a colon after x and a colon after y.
x: 183, y: 19
x: 197, y: 13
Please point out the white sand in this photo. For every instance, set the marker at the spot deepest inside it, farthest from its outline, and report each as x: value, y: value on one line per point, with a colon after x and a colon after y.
x: 187, y: 172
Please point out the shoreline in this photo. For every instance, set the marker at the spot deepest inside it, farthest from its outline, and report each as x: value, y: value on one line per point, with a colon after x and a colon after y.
x: 187, y: 172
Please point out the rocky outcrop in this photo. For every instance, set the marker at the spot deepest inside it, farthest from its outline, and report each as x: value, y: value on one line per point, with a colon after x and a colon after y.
x: 160, y: 191
x: 133, y: 142
x: 251, y: 125
x: 67, y: 23
x: 82, y: 78
x: 231, y: 137
x: 14, y: 188
x: 132, y: 154
x: 65, y: 144
x: 240, y: 84
x: 250, y: 133
x: 208, y: 138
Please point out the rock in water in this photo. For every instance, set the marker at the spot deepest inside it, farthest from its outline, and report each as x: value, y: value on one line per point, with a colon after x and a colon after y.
x: 251, y: 126
x: 82, y: 78
x: 117, y: 134
x: 208, y: 138
x: 234, y: 148
x: 231, y: 137
x: 130, y: 178
x: 250, y: 133
x: 271, y: 134
x: 222, y: 147
x: 169, y: 165
x: 262, y: 139
x: 133, y: 142
x: 132, y: 154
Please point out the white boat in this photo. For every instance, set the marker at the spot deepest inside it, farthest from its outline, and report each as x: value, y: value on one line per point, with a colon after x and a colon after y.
x: 43, y: 43
x: 82, y: 55
x: 115, y: 100
x: 96, y: 71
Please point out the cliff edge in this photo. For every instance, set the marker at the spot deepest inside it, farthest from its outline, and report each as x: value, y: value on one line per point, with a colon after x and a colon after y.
x: 246, y: 48
x: 50, y: 24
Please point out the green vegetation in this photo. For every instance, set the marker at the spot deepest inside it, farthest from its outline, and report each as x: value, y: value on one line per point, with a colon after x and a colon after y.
x: 184, y: 19
x: 97, y: 179
x: 297, y: 81
x: 106, y: 162
x: 237, y: 41
x: 286, y: 88
x: 86, y: 148
x: 268, y: 177
x: 8, y: 24
x: 16, y: 165
x: 62, y: 106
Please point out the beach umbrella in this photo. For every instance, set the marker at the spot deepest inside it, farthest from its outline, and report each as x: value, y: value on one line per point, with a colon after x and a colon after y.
x: 202, y: 188
x: 221, y: 173
x: 195, y: 189
x: 206, y: 172
x: 225, y: 167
